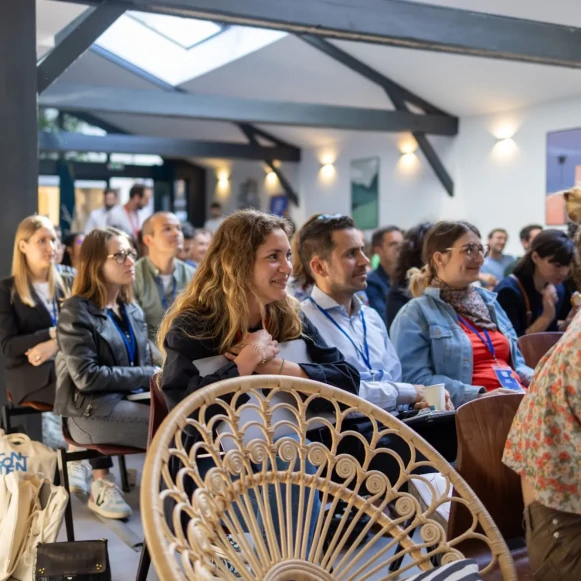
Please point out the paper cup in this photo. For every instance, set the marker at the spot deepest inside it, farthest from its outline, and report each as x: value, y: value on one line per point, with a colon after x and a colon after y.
x: 436, y: 396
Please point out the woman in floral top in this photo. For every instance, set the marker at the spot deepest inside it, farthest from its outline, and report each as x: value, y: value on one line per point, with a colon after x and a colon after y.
x: 544, y: 448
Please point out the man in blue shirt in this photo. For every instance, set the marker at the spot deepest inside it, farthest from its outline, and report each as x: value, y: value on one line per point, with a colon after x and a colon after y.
x: 492, y: 271
x: 386, y: 243
x: 332, y: 250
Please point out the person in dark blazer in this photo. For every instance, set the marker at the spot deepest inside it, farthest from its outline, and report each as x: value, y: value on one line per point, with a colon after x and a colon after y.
x: 103, y: 357
x: 30, y: 302
x: 236, y: 309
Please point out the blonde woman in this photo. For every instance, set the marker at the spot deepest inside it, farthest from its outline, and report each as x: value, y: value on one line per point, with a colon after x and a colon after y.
x: 103, y: 357
x: 30, y: 302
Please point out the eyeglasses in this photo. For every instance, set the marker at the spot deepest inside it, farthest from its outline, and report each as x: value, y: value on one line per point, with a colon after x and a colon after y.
x: 472, y: 250
x: 121, y: 256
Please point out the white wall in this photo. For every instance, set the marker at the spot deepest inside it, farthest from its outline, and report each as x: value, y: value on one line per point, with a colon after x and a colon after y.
x: 237, y: 172
x: 496, y: 185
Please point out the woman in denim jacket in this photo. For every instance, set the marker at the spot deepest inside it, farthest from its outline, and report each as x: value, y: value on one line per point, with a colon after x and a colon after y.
x: 453, y: 332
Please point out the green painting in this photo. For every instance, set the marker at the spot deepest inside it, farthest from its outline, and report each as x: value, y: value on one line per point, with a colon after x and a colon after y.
x: 365, y: 193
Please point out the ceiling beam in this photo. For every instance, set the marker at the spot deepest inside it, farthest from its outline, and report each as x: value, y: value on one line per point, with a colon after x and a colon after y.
x: 137, y: 144
x: 370, y: 74
x: 164, y: 104
x: 251, y: 133
x: 399, y: 96
x: 156, y: 81
x: 393, y: 22
x: 73, y: 41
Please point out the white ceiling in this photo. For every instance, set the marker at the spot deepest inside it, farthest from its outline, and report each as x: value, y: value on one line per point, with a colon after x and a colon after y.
x: 556, y: 11
x: 291, y: 70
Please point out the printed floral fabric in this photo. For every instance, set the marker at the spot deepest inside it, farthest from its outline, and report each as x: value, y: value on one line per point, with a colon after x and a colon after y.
x: 544, y: 442
x: 467, y: 303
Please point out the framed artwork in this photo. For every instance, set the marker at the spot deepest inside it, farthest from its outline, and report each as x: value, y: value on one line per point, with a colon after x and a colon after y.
x: 278, y: 205
x: 364, y: 174
x: 248, y: 196
x: 563, y: 172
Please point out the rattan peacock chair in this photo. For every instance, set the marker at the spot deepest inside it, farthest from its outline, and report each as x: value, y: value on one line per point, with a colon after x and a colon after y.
x: 234, y: 488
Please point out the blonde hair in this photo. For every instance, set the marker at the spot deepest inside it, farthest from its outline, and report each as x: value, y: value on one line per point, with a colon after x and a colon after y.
x: 573, y: 204
x: 215, y: 303
x: 439, y: 238
x: 20, y: 269
x: 90, y: 282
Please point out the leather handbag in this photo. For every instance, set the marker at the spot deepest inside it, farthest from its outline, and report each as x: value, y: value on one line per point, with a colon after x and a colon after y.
x: 77, y: 561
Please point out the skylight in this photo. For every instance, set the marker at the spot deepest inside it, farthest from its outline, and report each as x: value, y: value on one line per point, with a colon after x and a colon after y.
x: 176, y: 49
x: 186, y: 32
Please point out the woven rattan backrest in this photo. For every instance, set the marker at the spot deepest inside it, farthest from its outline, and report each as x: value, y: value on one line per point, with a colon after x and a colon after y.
x: 264, y: 493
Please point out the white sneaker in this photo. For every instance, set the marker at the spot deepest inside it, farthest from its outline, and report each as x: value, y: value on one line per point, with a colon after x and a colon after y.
x: 107, y: 499
x: 80, y: 473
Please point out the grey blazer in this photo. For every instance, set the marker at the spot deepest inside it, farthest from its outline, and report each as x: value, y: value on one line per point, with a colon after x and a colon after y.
x: 92, y: 365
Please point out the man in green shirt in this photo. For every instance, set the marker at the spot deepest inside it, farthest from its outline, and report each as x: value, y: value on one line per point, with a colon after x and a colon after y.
x: 160, y: 276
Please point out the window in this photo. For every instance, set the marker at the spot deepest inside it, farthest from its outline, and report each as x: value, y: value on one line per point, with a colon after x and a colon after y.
x: 186, y: 32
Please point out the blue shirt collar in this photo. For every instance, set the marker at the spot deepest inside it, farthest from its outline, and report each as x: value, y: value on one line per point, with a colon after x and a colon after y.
x: 326, y: 302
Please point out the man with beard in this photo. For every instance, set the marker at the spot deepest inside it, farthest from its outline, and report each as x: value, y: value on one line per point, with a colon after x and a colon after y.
x: 160, y: 276
x: 99, y: 217
x: 130, y: 217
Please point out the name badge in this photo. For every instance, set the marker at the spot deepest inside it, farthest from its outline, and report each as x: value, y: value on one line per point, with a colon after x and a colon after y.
x: 507, y: 378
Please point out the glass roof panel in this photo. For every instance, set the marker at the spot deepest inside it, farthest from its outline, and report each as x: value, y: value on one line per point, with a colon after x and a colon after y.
x: 186, y: 32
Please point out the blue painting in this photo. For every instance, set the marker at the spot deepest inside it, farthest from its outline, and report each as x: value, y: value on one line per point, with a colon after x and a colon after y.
x: 365, y: 193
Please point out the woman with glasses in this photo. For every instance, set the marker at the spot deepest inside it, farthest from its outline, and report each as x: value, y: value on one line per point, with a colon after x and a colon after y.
x: 454, y: 332
x: 103, y: 357
x: 534, y: 296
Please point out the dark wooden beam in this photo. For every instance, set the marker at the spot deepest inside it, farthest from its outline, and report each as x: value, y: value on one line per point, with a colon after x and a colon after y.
x: 93, y: 99
x: 393, y: 22
x: 138, y: 144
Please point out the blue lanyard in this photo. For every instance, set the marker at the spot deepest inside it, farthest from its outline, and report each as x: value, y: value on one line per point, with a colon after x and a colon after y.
x: 161, y: 291
x: 130, y: 344
x: 54, y: 314
x: 486, y: 339
x: 364, y: 355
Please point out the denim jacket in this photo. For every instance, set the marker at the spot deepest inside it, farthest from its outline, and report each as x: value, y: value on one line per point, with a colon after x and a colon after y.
x: 433, y: 348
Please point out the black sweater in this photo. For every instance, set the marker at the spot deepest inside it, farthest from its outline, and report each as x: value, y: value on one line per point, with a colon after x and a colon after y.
x: 181, y: 377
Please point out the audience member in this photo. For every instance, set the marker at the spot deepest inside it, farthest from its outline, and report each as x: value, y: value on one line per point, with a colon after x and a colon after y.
x: 543, y: 449
x: 30, y: 303
x: 130, y: 217
x: 103, y: 356
x: 160, y: 276
x: 201, y: 243
x: 526, y: 235
x: 213, y: 223
x: 453, y: 332
x: 72, y: 244
x: 188, y: 234
x: 237, y: 306
x: 386, y: 244
x: 495, y: 263
x: 333, y: 251
x: 99, y: 218
x: 410, y: 257
x: 534, y: 296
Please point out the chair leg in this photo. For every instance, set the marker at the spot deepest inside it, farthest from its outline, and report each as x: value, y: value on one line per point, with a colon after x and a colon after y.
x: 123, y: 471
x: 64, y: 479
x: 144, y: 563
x: 6, y: 418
